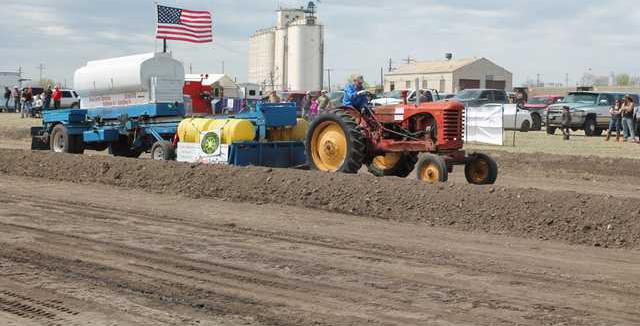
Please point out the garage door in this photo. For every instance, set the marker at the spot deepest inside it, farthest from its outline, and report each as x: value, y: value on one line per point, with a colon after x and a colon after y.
x: 469, y: 83
x: 496, y: 84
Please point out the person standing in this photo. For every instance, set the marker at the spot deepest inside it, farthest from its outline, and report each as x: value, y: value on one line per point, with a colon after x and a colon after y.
x: 56, y: 96
x: 46, y: 98
x: 323, y: 101
x: 566, y: 122
x: 306, y: 105
x: 628, y: 109
x: 274, y: 98
x: 16, y: 99
x: 27, y: 97
x: 615, y: 121
x: 7, y: 97
x: 313, y: 108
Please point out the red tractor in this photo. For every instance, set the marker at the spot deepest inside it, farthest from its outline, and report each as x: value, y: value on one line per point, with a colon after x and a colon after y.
x: 388, y: 139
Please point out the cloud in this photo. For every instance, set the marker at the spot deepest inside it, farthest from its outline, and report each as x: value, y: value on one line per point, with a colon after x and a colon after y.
x: 547, y: 37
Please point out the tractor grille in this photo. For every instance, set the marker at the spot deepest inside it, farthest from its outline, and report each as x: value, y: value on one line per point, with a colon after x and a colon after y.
x: 452, y: 125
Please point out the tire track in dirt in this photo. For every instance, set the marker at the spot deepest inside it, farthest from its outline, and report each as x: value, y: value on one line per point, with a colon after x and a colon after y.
x: 458, y: 296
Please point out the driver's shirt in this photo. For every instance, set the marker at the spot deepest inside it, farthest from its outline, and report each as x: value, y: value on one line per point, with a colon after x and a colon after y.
x: 351, y: 97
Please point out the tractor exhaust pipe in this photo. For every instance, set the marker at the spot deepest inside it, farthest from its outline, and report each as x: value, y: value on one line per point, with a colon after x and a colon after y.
x: 417, y: 91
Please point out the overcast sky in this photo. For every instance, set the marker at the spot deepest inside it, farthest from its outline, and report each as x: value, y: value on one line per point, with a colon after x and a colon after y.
x: 546, y: 37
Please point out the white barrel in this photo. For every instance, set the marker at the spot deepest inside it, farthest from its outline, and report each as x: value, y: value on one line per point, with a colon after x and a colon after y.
x: 130, y: 74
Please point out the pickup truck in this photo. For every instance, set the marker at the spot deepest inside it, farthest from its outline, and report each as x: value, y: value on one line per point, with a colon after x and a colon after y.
x: 589, y: 111
x: 395, y: 97
x: 480, y: 97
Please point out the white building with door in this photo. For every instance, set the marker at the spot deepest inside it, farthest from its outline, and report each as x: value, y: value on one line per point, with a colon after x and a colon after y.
x: 449, y: 76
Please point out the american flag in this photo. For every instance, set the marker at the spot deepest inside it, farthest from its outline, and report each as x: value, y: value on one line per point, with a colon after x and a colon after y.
x: 184, y: 25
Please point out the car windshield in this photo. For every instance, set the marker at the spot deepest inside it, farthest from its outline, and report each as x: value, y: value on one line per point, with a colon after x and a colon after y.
x: 586, y: 98
x: 538, y: 100
x: 468, y: 94
x: 397, y: 94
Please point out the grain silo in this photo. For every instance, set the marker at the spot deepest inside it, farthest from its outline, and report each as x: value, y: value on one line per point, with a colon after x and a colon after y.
x: 261, y: 60
x: 297, y: 51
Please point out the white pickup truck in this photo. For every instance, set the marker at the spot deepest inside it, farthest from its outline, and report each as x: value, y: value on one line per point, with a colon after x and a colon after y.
x: 395, y: 97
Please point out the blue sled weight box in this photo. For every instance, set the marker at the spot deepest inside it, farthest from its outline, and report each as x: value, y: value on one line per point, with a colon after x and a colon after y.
x: 272, y: 154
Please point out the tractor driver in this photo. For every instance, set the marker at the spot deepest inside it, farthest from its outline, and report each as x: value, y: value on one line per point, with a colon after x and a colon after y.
x: 355, y: 95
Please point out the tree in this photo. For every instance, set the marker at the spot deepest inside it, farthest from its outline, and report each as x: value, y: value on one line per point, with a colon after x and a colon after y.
x: 45, y: 82
x: 623, y: 80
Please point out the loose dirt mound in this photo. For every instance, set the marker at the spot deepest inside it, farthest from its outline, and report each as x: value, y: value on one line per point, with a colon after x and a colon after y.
x: 568, y: 166
x: 566, y: 216
x: 15, y: 133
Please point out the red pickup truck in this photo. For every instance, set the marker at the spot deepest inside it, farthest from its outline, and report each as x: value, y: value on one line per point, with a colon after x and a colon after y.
x: 538, y: 105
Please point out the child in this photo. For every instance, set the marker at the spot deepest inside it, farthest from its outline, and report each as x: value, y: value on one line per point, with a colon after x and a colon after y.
x: 566, y: 122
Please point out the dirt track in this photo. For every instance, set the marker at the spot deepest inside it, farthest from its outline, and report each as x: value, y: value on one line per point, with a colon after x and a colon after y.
x: 577, y: 218
x: 79, y: 253
x: 137, y: 242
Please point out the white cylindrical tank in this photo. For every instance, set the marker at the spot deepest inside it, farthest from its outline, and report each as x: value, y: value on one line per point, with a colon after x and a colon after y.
x: 305, y: 57
x: 128, y: 74
x: 261, y: 57
x: 280, y: 61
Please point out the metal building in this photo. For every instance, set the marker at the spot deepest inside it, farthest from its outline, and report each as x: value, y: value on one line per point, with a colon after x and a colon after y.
x: 450, y: 76
x: 290, y: 55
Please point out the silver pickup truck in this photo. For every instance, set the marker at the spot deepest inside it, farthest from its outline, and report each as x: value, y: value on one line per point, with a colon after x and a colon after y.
x: 589, y: 111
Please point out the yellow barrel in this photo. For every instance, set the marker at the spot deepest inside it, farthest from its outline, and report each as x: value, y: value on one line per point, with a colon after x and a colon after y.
x: 299, y: 131
x: 289, y: 133
x: 232, y: 130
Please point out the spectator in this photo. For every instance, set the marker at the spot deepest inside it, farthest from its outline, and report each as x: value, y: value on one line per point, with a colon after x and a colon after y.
x: 616, y: 120
x: 16, y: 99
x: 56, y: 96
x: 7, y: 97
x: 323, y: 101
x: 27, y: 97
x: 628, y: 109
x: 306, y: 105
x: 313, y: 108
x: 566, y: 122
x: 46, y: 98
x: 274, y: 98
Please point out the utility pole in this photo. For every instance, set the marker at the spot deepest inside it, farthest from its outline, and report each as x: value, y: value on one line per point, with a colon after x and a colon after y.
x: 409, y: 59
x: 41, y: 68
x: 382, y: 78
x: 329, y: 77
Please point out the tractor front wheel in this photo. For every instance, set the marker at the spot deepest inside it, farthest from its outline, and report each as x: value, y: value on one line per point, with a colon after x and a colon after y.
x: 481, y: 169
x: 393, y: 164
x: 432, y: 169
x: 335, y: 143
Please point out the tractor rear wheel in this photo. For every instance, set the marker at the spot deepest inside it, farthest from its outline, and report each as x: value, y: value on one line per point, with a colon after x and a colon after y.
x: 335, y: 143
x: 432, y: 169
x: 393, y: 164
x: 481, y: 169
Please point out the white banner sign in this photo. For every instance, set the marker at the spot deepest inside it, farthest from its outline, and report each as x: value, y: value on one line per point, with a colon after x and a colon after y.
x: 485, y: 125
x: 122, y: 99
x: 208, y: 151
